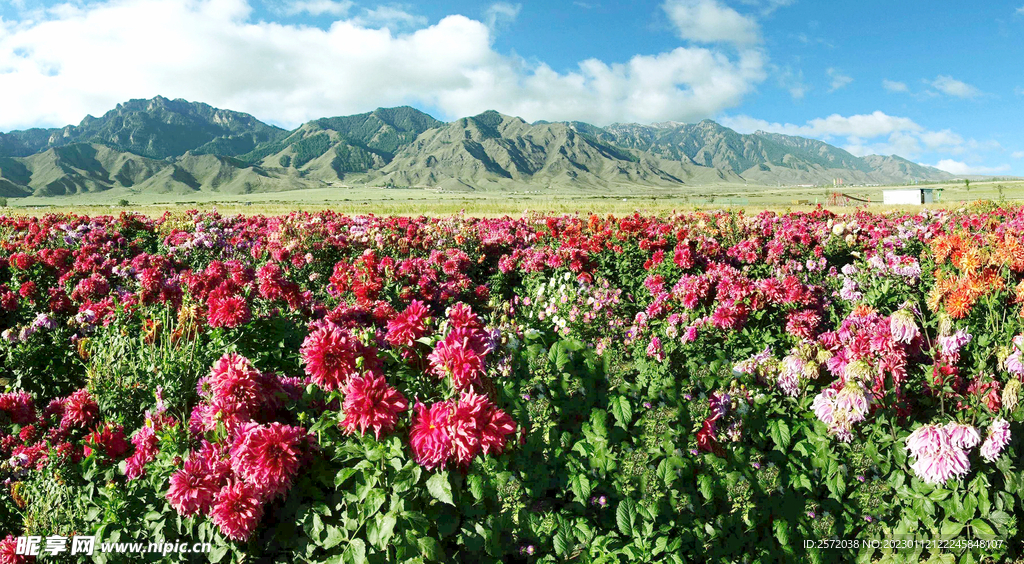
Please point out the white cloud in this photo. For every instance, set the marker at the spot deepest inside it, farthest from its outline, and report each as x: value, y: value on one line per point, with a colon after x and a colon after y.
x: 319, y: 7
x: 940, y: 139
x: 861, y: 126
x: 894, y: 86
x: 957, y: 167
x: 790, y: 80
x: 390, y: 17
x: 59, y: 68
x: 1018, y: 154
x: 708, y: 21
x: 502, y: 13
x: 952, y: 87
x: 838, y: 79
x: 874, y: 133
x: 1019, y: 11
x: 769, y: 6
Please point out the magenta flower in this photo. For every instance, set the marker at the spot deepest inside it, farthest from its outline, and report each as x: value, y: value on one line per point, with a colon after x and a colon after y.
x: 371, y: 404
x: 429, y: 439
x: 237, y: 510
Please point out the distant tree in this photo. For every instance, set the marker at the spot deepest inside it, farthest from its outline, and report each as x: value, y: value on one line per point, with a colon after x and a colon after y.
x: 3, y: 202
x: 122, y: 203
x: 967, y: 184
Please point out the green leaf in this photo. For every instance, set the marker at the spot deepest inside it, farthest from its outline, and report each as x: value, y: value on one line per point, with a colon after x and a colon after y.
x: 625, y: 516
x: 218, y: 553
x: 781, y: 527
x: 355, y: 553
x: 440, y: 488
x: 939, y: 494
x: 561, y: 542
x: 334, y: 537
x: 707, y: 486
x: 385, y: 530
x: 951, y: 529
x: 430, y: 548
x: 559, y: 355
x: 622, y: 411
x: 982, y: 529
x: 343, y: 474
x: 476, y: 486
x: 581, y: 487
x: 780, y: 434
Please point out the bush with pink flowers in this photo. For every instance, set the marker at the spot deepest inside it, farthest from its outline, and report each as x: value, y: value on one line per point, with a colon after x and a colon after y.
x: 711, y: 386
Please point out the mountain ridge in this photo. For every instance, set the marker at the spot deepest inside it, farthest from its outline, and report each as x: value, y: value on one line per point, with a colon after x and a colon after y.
x: 164, y: 145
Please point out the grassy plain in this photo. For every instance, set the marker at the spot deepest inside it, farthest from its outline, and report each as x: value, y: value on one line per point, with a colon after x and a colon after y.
x: 403, y: 201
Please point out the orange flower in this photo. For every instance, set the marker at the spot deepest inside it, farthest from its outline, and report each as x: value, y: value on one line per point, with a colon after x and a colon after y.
x: 1018, y: 292
x: 959, y: 303
x: 942, y: 246
x: 1010, y: 252
x: 862, y: 310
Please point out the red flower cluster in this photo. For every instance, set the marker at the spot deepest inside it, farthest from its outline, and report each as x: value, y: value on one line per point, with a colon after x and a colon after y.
x: 231, y: 477
x: 449, y: 431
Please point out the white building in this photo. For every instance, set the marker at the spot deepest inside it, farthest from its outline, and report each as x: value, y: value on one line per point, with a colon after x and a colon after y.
x: 914, y: 196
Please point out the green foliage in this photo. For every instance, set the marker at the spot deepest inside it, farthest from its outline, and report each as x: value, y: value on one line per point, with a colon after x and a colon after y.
x: 310, y: 148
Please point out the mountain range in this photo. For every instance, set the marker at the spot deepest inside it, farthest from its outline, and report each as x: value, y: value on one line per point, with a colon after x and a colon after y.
x: 179, y: 147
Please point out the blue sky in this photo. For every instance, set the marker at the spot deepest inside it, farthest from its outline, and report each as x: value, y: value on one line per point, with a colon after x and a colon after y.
x: 930, y: 81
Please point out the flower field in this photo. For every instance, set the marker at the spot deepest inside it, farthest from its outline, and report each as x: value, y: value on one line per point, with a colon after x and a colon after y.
x: 711, y: 386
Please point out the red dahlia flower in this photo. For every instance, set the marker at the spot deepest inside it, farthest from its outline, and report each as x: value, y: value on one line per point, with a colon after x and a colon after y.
x: 192, y: 488
x: 330, y: 354
x: 267, y: 456
x: 429, y: 438
x: 237, y: 510
x: 371, y: 403
x: 145, y: 442
x: 80, y: 410
x: 461, y: 356
x: 409, y: 325
x: 236, y: 386
x: 19, y: 407
x: 230, y: 311
x: 108, y: 438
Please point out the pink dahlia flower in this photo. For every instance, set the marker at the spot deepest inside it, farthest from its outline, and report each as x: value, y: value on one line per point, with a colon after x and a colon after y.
x: 19, y: 407
x: 145, y: 441
x: 230, y: 311
x: 461, y: 356
x: 192, y: 490
x: 927, y: 438
x: 331, y: 354
x: 371, y: 404
x: 824, y: 406
x: 903, y: 327
x: 409, y: 325
x: 268, y: 456
x: 236, y: 386
x: 962, y: 436
x: 237, y: 510
x: 939, y: 466
x: 998, y: 437
x: 80, y: 410
x: 940, y: 451
x: 429, y: 439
